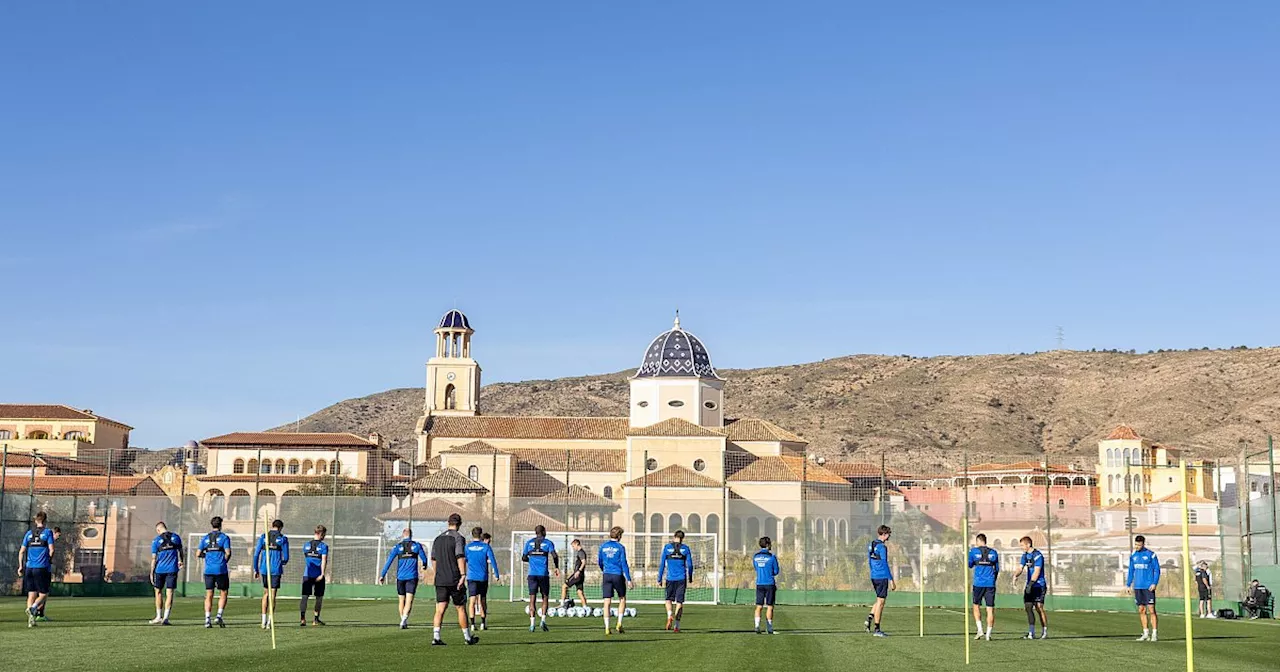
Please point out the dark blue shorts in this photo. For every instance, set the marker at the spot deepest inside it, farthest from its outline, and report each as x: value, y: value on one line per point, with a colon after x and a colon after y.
x: 313, y: 586
x: 478, y: 588
x: 540, y: 585
x: 167, y: 580
x: 984, y: 595
x: 36, y: 580
x: 613, y: 584
x: 1143, y: 596
x: 675, y: 591
x: 275, y: 581
x: 217, y: 581
x: 881, y: 587
x: 1033, y: 594
x: 766, y: 596
x: 406, y: 586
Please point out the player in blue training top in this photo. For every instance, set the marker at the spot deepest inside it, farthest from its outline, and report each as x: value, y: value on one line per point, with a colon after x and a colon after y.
x: 316, y: 554
x: 1144, y: 576
x: 35, y: 566
x: 881, y: 576
x: 166, y: 562
x: 675, y: 573
x: 1032, y: 563
x: 270, y: 555
x: 215, y: 549
x: 479, y: 557
x: 766, y: 564
x: 540, y: 553
x: 616, y: 576
x: 407, y: 554
x: 985, y: 562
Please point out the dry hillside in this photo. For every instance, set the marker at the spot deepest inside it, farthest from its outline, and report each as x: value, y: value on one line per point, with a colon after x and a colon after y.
x: 923, y: 412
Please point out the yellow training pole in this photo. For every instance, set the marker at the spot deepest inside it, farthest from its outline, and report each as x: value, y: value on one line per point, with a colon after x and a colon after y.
x: 920, y: 582
x: 1186, y: 569
x: 964, y: 600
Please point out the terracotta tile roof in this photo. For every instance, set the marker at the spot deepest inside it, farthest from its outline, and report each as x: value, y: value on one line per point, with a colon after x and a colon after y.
x: 68, y: 466
x: 673, y: 427
x: 51, y: 412
x: 531, y: 483
x: 786, y: 469
x: 557, y: 461
x: 575, y: 495
x: 755, y: 429
x: 475, y: 448
x: 1124, y: 432
x: 1176, y: 498
x: 527, y: 427
x: 674, y: 476
x: 448, y: 480
x: 527, y: 519
x: 277, y: 478
x: 295, y: 440
x: 431, y: 509
x: 87, y: 485
x: 430, y: 465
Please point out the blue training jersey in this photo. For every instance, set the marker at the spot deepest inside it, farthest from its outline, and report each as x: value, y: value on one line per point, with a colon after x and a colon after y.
x: 677, y: 563
x: 878, y: 558
x: 1031, y: 561
x: 215, y: 548
x: 271, y: 554
x: 985, y: 562
x: 538, y: 553
x: 479, y: 557
x: 612, y: 559
x: 408, y: 553
x: 167, y: 547
x: 39, y: 545
x: 766, y: 565
x: 313, y: 551
x: 1144, y: 570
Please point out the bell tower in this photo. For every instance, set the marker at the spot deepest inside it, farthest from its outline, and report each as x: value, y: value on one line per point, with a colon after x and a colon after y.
x: 453, y: 377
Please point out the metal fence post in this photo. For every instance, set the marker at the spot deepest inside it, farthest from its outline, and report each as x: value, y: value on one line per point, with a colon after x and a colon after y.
x: 182, y: 514
x: 106, y: 518
x: 4, y: 468
x: 1271, y: 486
x: 253, y: 506
x: 333, y: 506
x: 1048, y: 531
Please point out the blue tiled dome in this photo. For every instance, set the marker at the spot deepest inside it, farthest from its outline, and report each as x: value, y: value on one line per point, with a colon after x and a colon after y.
x: 677, y: 353
x: 454, y: 319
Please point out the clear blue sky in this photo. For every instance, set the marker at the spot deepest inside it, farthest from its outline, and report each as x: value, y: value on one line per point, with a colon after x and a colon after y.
x: 223, y: 216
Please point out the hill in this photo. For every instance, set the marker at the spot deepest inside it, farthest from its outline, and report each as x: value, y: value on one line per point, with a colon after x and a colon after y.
x: 924, y: 412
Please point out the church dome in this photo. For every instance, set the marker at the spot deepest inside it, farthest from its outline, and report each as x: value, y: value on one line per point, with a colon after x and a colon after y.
x: 676, y: 353
x: 454, y: 319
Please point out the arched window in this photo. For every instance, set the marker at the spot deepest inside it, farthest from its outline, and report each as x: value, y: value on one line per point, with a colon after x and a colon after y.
x: 73, y: 436
x: 695, y: 523
x: 450, y: 397
x: 322, y: 467
x: 253, y: 466
x: 753, y: 530
x: 308, y: 467
x: 675, y: 522
x: 844, y: 531
x: 655, y: 522
x: 996, y: 544
x: 294, y: 466
x: 1127, y: 456
x: 279, y: 466
x: 771, y: 527
x: 735, y: 533
x: 473, y: 473
x: 1062, y: 504
x: 1111, y: 458
x: 265, y: 467
x: 713, y: 524
x: 335, y: 468
x: 637, y: 523
x: 237, y: 467
x: 217, y: 502
x: 5, y: 435
x: 240, y: 505
x: 38, y: 434
x: 608, y: 492
x: 1137, y: 483
x: 831, y: 529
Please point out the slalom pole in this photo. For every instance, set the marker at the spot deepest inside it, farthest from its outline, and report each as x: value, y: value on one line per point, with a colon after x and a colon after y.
x: 1186, y: 569
x: 920, y: 583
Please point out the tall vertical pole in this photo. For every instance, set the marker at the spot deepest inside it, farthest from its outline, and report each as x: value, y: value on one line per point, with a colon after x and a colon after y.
x: 182, y: 514
x: 884, y: 493
x: 31, y: 489
x: 333, y: 506
x: 1048, y: 530
x: 1186, y: 568
x: 1271, y: 483
x: 804, y: 524
x: 568, y: 455
x: 1246, y: 514
x: 1128, y: 495
x: 493, y: 493
x: 257, y: 480
x: 920, y: 584
x: 106, y: 517
x: 644, y: 520
x: 964, y: 589
x: 4, y: 468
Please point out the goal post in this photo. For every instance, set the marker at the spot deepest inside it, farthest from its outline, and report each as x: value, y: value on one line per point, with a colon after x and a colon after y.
x: 644, y: 553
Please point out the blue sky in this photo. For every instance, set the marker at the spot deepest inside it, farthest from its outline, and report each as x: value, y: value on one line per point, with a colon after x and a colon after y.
x: 223, y: 216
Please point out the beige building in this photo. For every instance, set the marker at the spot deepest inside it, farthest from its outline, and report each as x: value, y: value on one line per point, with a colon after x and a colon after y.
x: 1129, y: 463
x: 57, y: 429
x: 675, y: 462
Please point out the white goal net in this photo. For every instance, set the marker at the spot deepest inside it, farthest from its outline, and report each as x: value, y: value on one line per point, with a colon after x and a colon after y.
x: 352, y: 559
x: 644, y: 553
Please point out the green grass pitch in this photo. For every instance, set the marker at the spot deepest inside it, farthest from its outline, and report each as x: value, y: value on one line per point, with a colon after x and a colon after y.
x: 112, y: 634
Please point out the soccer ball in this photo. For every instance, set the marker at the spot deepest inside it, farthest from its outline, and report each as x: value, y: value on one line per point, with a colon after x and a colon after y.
x: 631, y: 611
x: 613, y: 612
x: 541, y: 615
x: 584, y: 612
x: 560, y: 612
x: 526, y: 610
x: 597, y: 612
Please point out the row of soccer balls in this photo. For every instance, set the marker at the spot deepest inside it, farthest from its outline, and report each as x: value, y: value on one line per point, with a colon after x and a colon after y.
x: 582, y: 612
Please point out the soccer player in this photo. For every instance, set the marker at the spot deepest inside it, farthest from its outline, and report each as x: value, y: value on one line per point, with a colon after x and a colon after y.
x: 270, y: 555
x: 612, y: 559
x: 215, y: 549
x: 316, y: 555
x: 1204, y: 585
x: 1032, y: 563
x: 536, y: 552
x: 35, y: 563
x: 166, y: 562
x: 40, y: 617
x: 675, y: 573
x: 1144, y: 576
x: 449, y: 553
x: 985, y: 562
x: 479, y: 557
x: 766, y: 564
x: 407, y: 553
x: 881, y: 576
x: 575, y: 578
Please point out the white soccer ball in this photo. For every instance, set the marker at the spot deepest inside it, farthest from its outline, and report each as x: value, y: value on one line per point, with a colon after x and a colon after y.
x: 541, y: 614
x: 597, y: 612
x: 613, y: 612
x: 560, y: 612
x: 584, y: 612
x: 631, y: 611
x: 526, y: 610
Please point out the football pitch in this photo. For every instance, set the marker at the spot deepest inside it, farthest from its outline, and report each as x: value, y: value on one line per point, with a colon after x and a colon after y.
x: 113, y: 634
